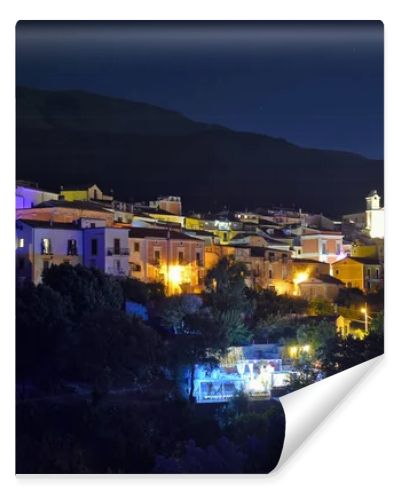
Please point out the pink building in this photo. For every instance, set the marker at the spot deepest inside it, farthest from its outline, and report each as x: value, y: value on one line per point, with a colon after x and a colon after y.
x: 324, y: 246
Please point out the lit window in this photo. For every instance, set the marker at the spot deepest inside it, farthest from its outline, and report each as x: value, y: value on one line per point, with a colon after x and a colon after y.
x: 46, y: 246
x: 72, y: 248
x: 21, y: 243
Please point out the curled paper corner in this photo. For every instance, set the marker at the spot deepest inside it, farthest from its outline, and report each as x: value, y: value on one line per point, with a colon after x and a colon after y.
x: 307, y: 408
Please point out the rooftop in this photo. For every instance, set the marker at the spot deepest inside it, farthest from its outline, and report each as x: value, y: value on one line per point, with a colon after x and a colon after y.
x: 49, y: 224
x: 147, y: 232
x: 80, y: 205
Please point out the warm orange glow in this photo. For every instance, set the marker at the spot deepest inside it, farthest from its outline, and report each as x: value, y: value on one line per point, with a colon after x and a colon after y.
x: 175, y: 275
x: 300, y: 277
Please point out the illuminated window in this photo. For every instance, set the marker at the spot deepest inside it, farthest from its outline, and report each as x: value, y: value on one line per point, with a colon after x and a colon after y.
x: 72, y: 248
x: 21, y: 243
x: 46, y: 246
x: 94, y: 246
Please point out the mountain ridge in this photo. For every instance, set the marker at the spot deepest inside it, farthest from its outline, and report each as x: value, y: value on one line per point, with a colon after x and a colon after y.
x: 140, y: 150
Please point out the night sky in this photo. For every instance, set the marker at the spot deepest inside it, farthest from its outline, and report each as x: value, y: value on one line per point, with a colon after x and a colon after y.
x: 314, y: 84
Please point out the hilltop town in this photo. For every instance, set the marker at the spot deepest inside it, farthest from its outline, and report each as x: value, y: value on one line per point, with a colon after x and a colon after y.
x: 284, y: 250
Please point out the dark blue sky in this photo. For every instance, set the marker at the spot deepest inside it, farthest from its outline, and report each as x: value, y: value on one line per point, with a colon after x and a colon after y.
x: 315, y: 84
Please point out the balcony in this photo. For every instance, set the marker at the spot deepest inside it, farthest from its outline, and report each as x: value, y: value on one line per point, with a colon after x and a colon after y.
x: 110, y: 251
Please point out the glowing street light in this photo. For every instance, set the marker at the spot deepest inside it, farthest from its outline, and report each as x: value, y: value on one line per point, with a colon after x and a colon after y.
x: 366, y: 317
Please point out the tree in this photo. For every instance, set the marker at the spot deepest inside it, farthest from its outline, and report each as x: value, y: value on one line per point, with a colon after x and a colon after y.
x: 350, y: 298
x: 320, y: 307
x: 228, y: 301
x: 115, y: 349
x: 87, y: 289
x: 43, y: 329
x: 140, y: 292
x: 175, y: 311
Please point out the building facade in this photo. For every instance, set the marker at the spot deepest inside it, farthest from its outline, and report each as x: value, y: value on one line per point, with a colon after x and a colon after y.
x: 359, y: 272
x: 324, y: 246
x: 171, y: 257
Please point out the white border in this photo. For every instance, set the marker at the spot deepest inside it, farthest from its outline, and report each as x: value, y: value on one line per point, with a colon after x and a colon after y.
x: 349, y: 455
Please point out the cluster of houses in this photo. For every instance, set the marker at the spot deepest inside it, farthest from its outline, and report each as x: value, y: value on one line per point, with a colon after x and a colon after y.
x: 285, y: 250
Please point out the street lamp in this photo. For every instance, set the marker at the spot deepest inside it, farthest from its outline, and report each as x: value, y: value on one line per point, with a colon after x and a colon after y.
x: 366, y: 317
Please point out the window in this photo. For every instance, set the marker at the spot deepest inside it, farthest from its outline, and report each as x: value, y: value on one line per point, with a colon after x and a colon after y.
x: 271, y: 257
x: 136, y: 247
x: 46, y: 246
x: 270, y: 274
x: 72, y: 248
x: 324, y: 250
x: 94, y: 246
x: 117, y: 246
x: 337, y: 271
x: 180, y: 257
x: 377, y: 274
x: 95, y: 194
x: 224, y: 236
x: 338, y: 249
x: 157, y: 256
x: 21, y: 243
x: 92, y: 225
x: 198, y: 258
x: 368, y: 272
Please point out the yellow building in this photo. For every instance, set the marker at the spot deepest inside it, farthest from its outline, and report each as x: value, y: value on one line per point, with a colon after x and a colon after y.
x: 84, y: 192
x: 350, y: 326
x: 359, y: 272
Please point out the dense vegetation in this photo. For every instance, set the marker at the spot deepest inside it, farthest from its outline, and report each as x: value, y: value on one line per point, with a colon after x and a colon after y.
x: 97, y: 387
